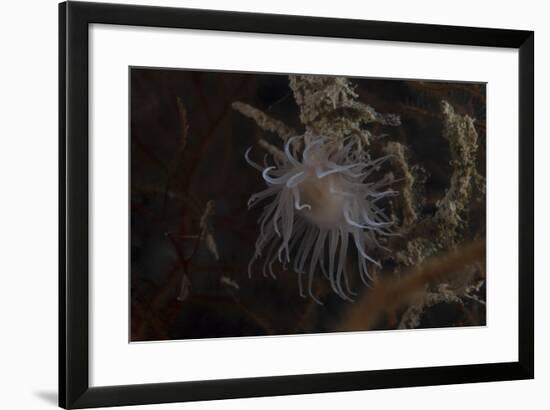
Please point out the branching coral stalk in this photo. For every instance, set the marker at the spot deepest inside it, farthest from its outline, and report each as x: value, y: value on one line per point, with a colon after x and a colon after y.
x: 329, y: 107
x: 264, y: 121
x: 397, y: 152
x: 462, y: 136
x: 443, y: 229
x: 446, y: 225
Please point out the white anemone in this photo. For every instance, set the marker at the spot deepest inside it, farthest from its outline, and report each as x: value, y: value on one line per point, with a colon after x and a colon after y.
x: 320, y: 206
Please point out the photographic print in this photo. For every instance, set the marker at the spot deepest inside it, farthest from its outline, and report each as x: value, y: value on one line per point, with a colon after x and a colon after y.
x: 280, y: 204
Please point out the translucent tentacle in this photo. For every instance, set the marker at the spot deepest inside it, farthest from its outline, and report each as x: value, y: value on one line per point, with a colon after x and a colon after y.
x: 250, y: 162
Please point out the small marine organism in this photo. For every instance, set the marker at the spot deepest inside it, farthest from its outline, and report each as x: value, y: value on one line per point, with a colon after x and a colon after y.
x: 321, y: 203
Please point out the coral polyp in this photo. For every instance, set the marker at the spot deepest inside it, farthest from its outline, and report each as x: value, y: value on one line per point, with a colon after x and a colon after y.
x: 320, y: 205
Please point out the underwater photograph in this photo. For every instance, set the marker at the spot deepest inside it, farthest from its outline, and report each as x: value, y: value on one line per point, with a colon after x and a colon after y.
x: 281, y: 204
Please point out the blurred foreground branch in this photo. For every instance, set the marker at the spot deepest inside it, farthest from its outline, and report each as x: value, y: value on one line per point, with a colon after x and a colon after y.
x: 389, y: 294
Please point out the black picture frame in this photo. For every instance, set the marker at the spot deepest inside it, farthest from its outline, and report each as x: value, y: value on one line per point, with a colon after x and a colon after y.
x: 74, y: 387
